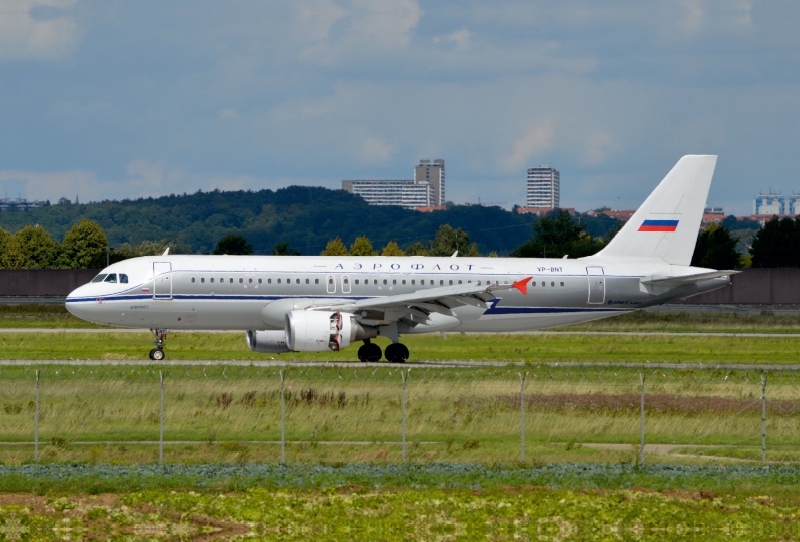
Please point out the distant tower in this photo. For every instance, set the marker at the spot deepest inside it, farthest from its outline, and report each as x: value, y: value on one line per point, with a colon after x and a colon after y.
x: 77, y: 202
x: 432, y: 174
x: 544, y: 187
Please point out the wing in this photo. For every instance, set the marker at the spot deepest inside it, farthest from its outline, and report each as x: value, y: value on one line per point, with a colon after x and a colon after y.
x: 415, y: 308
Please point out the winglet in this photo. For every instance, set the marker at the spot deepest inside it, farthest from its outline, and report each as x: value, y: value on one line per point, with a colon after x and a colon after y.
x: 522, y: 285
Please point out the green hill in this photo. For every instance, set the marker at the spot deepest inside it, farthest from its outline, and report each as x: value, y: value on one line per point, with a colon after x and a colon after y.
x: 305, y: 217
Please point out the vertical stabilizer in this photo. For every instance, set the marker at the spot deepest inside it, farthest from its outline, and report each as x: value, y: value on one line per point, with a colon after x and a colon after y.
x: 666, y: 225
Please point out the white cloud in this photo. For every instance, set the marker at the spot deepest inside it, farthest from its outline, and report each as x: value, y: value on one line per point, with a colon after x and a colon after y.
x: 23, y: 36
x: 599, y: 148
x: 538, y: 140
x: 376, y: 150
x: 461, y: 39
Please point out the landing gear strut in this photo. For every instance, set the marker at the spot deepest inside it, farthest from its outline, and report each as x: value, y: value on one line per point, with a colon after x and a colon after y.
x: 397, y: 353
x: 157, y: 353
x: 369, y: 352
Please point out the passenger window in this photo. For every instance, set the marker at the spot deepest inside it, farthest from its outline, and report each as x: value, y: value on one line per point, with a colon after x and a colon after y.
x: 533, y: 283
x: 562, y: 284
x: 376, y: 282
x: 123, y: 278
x: 394, y: 282
x: 459, y: 282
x: 330, y: 281
x: 279, y: 281
x: 316, y: 281
x: 346, y: 281
x: 241, y: 281
x: 307, y: 281
x: 451, y: 283
x: 111, y: 278
x: 552, y: 284
x: 441, y: 283
x: 99, y: 278
x: 259, y: 281
x: 297, y: 281
x: 356, y: 282
x: 288, y: 281
x: 192, y: 280
x: 202, y: 280
x: 404, y: 283
x: 422, y: 282
x: 385, y: 282
x: 221, y: 281
x: 212, y: 280
x: 413, y: 282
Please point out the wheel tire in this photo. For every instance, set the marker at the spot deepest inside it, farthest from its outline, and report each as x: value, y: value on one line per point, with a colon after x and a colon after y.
x: 150, y: 355
x: 370, y: 353
x: 397, y: 353
x: 156, y: 354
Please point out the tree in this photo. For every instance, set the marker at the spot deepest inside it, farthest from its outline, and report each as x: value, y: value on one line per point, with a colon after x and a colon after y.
x: 283, y: 249
x: 392, y: 250
x: 12, y: 256
x: 558, y: 235
x: 233, y: 244
x: 449, y: 240
x: 362, y: 247
x: 776, y: 244
x: 417, y: 249
x: 37, y: 248
x: 84, y: 246
x: 715, y: 249
x: 335, y: 248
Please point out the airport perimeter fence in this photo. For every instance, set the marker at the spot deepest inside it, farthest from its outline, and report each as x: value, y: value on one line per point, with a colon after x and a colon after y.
x: 392, y: 413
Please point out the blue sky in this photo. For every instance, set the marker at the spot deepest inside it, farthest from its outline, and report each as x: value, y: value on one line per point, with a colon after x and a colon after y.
x: 111, y: 99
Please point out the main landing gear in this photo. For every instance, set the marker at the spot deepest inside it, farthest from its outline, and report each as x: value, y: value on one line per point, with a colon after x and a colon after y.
x: 157, y: 353
x: 395, y: 353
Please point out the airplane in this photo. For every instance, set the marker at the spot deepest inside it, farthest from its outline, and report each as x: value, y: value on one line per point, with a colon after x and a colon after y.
x: 326, y: 303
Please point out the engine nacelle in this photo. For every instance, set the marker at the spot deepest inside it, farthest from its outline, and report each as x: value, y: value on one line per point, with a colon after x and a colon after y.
x: 316, y: 331
x: 267, y: 342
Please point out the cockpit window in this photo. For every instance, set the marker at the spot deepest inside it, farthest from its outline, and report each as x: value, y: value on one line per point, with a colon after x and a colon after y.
x: 123, y: 278
x: 111, y: 278
x: 99, y: 278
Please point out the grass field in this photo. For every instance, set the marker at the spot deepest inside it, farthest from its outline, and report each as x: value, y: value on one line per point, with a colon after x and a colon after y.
x: 431, y: 347
x: 232, y: 414
x: 362, y: 513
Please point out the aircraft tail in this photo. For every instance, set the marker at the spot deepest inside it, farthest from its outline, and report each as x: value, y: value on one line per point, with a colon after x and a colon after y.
x: 665, y: 226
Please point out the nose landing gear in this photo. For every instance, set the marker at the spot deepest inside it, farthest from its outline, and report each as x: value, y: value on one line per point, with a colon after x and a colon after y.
x: 157, y: 353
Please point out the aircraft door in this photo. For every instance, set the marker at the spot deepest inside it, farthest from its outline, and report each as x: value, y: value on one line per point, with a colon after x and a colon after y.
x: 331, y: 284
x: 597, y: 285
x: 162, y: 280
x: 345, y: 284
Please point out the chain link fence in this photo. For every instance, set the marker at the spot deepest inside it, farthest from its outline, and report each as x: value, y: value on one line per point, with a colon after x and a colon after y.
x: 188, y: 414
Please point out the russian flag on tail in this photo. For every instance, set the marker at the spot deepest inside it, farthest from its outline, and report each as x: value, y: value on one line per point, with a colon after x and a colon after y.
x: 659, y: 225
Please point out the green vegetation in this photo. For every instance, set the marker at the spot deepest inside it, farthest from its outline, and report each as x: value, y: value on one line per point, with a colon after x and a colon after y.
x: 532, y: 348
x: 361, y: 513
x: 560, y: 235
x: 214, y: 414
x: 715, y: 249
x: 775, y: 244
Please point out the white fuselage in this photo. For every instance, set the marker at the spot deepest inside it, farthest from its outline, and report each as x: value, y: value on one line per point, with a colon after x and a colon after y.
x: 231, y: 292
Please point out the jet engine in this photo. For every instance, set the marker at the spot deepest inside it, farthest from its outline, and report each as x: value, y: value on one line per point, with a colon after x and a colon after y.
x: 313, y: 331
x: 267, y: 342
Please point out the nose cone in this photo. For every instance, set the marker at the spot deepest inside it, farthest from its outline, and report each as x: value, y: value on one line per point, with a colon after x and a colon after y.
x: 78, y: 300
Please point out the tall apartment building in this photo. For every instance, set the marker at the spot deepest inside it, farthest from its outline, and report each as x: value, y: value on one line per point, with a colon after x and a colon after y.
x: 433, y: 174
x: 544, y: 187
x: 776, y: 204
x: 426, y: 190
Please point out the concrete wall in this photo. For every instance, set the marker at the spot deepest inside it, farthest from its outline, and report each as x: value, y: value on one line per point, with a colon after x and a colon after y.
x: 755, y: 287
x: 43, y: 282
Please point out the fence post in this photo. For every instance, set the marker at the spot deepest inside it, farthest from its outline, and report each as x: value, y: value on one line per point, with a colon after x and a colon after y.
x: 283, y: 425
x: 36, y: 422
x: 404, y: 376
x: 522, y: 414
x: 161, y: 421
x: 763, y: 417
x: 641, y: 445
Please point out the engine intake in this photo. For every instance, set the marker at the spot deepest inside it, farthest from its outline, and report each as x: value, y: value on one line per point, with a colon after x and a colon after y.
x: 312, y: 331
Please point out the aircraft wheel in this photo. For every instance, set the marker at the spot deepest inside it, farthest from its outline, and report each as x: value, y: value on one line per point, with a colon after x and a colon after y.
x: 157, y: 354
x: 370, y: 352
x: 397, y: 353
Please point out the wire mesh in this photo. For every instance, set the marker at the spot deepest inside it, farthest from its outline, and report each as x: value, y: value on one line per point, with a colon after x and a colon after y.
x: 337, y: 413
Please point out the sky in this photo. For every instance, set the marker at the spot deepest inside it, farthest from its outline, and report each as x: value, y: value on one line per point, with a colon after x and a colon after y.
x: 107, y: 99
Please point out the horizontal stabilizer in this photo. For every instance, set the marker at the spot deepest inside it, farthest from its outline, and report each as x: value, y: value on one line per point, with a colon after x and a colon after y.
x: 672, y: 282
